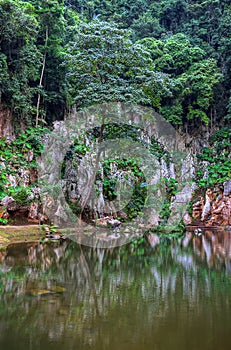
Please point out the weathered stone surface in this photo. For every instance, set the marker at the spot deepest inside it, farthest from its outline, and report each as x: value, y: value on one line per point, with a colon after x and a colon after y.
x: 209, y: 197
x: 108, y: 221
x: 9, y: 203
x: 154, y: 218
x: 227, y: 187
x: 24, y: 177
x: 187, y: 219
x: 198, y: 208
x: 3, y: 213
x: 33, y: 211
x: 30, y: 155
x: 215, y: 210
x: 113, y: 223
x: 12, y: 180
x: 179, y: 205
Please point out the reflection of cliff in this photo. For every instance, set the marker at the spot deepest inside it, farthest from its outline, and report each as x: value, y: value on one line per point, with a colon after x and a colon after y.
x: 211, y: 246
x: 84, y: 295
x: 215, y: 248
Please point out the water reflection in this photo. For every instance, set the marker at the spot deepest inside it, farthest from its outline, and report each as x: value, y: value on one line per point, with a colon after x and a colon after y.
x: 212, y: 247
x: 140, y: 296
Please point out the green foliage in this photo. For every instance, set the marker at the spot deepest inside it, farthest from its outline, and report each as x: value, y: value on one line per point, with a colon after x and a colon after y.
x: 228, y: 115
x: 113, y: 131
x: 3, y: 221
x: 173, y: 113
x: 104, y: 65
x: 81, y: 149
x: 171, y: 186
x: 14, y: 157
x: 20, y: 194
x: 217, y: 158
x: 158, y: 150
x: 91, y: 56
x: 174, y: 54
x: 131, y: 169
x: 51, y: 15
x: 165, y: 212
x: 101, y: 63
x: 22, y: 45
x: 20, y: 58
x: 166, y: 237
x: 194, y: 78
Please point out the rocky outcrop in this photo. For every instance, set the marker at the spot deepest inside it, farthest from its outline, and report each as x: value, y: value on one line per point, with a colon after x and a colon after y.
x: 197, y: 209
x: 10, y: 204
x: 108, y: 222
x: 83, y: 187
x: 29, y: 211
x: 214, y: 209
x: 90, y: 191
x: 179, y: 205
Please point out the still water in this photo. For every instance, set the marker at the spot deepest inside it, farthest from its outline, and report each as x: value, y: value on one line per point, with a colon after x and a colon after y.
x: 149, y: 295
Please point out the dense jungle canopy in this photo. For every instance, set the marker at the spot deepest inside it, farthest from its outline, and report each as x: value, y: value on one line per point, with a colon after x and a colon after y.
x: 172, y: 55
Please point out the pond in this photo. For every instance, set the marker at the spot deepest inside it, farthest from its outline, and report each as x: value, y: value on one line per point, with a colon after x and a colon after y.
x: 149, y: 294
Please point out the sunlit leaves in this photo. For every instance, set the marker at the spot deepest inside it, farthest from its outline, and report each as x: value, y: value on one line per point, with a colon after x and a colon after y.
x: 104, y: 65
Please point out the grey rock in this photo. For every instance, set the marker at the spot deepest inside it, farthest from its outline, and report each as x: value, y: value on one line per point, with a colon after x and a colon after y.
x: 10, y: 204
x: 114, y: 223
x: 227, y: 187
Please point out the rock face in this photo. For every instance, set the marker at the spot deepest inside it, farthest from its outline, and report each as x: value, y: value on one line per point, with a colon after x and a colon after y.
x: 198, y: 208
x: 33, y: 212
x: 10, y: 204
x: 23, y: 213
x: 179, y: 204
x: 96, y: 191
x: 95, y: 188
x: 3, y: 213
x: 215, y: 208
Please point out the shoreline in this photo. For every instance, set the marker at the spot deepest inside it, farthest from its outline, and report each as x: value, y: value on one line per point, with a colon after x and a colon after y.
x: 32, y: 233
x: 15, y: 234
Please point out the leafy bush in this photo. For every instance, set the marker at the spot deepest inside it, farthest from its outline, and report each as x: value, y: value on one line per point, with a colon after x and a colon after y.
x: 3, y: 221
x: 20, y: 194
x: 218, y: 159
x: 14, y: 156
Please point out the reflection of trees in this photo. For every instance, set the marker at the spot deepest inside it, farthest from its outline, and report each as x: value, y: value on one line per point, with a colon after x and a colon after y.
x: 108, y: 292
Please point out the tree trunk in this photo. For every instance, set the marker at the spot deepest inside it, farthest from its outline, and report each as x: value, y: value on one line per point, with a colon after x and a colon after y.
x: 41, y: 77
x: 6, y: 124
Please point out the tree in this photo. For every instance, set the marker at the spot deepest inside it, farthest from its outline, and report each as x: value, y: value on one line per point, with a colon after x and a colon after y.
x: 172, y: 14
x: 198, y: 88
x: 20, y: 58
x: 194, y: 77
x: 104, y: 65
x: 50, y: 102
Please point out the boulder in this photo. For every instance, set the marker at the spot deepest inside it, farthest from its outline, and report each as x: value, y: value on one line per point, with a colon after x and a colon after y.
x: 113, y: 223
x: 108, y: 221
x: 10, y: 204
